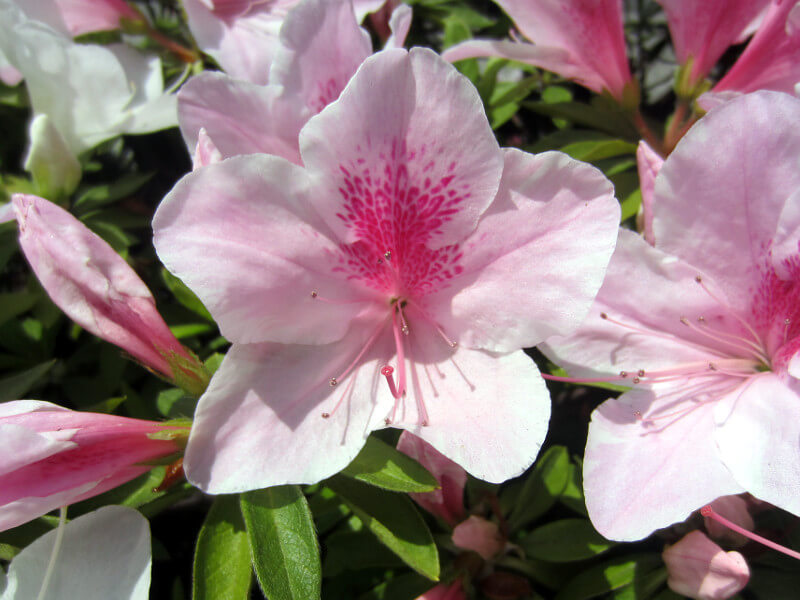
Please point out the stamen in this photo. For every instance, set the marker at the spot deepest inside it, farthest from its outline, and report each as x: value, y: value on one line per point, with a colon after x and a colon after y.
x: 424, y: 420
x: 709, y: 512
x: 387, y: 255
x: 334, y: 381
x: 730, y: 309
x: 435, y: 325
x: 347, y: 389
x: 387, y: 372
x: 315, y: 296
x: 401, y: 357
x: 737, y: 342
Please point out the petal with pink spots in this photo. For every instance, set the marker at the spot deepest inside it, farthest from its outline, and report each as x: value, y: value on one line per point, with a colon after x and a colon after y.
x: 406, y: 154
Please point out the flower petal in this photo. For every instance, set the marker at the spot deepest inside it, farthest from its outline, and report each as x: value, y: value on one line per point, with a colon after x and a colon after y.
x: 649, y: 163
x: 759, y: 439
x: 536, y: 261
x: 260, y: 422
x: 104, y: 554
x: 409, y: 136
x: 639, y: 478
x: 241, y: 117
x: 712, y: 203
x: 240, y: 233
x: 399, y: 24
x: 321, y: 48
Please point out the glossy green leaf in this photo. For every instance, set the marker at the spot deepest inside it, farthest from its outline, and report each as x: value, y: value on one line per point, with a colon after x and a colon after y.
x: 542, y: 488
x: 16, y: 303
x: 103, y: 194
x: 565, y: 541
x: 572, y: 496
x: 284, y: 545
x: 381, y: 465
x: 590, y: 151
x: 394, y: 520
x: 222, y: 569
x: 355, y: 550
x: 185, y: 296
x: 610, y: 576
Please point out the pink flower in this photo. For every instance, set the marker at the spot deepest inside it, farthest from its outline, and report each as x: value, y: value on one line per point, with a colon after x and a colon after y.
x: 578, y: 39
x: 242, y: 35
x: 479, y: 535
x: 54, y: 456
x: 705, y: 326
x: 98, y: 290
x: 771, y: 61
x: 385, y: 283
x: 448, y: 501
x: 700, y: 569
x: 321, y: 46
x: 702, y: 31
x: 443, y: 591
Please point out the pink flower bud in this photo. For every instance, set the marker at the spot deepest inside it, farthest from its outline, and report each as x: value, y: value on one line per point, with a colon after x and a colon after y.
x: 700, y: 569
x: 443, y: 591
x: 86, y: 16
x: 447, y: 502
x: 733, y: 508
x: 54, y: 456
x: 98, y: 290
x: 479, y: 535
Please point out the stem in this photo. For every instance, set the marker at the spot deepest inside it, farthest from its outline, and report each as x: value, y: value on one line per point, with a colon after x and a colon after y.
x: 185, y: 54
x: 62, y: 521
x: 647, y: 134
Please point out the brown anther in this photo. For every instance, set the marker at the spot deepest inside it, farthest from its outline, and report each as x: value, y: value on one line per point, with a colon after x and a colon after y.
x: 712, y: 366
x: 701, y: 319
x: 603, y: 315
x: 636, y: 380
x: 326, y: 415
x: 684, y: 320
x: 424, y: 423
x: 787, y: 321
x: 387, y: 421
x: 387, y: 255
x: 640, y: 373
x: 638, y: 415
x: 623, y: 374
x: 453, y: 344
x: 333, y: 381
x: 314, y: 293
x: 404, y: 329
x: 698, y: 279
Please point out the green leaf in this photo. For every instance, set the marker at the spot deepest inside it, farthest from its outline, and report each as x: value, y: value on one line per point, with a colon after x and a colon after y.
x: 542, y: 488
x: 103, y: 194
x: 394, y: 520
x: 222, y: 569
x: 13, y: 304
x: 610, y: 576
x: 15, y: 386
x: 355, y: 550
x: 572, y: 496
x: 185, y: 296
x: 381, y: 465
x: 590, y: 151
x: 630, y: 206
x: 284, y: 546
x: 190, y: 329
x: 601, y: 119
x: 565, y: 541
x: 403, y: 587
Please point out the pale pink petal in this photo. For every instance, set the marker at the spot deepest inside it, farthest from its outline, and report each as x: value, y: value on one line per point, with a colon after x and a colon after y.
x: 759, y: 440
x: 206, y: 152
x: 448, y: 501
x: 321, y: 48
x: 717, y: 208
x: 590, y: 32
x: 254, y: 426
x: 22, y: 446
x: 17, y: 512
x: 365, y: 7
x: 702, y: 31
x: 8, y: 74
x: 479, y: 535
x: 7, y: 213
x: 92, y: 284
x: 711, y: 100
x: 443, y: 591
x: 640, y: 476
x: 104, y: 554
x: 487, y: 412
x: 241, y: 117
x: 771, y: 60
x: 649, y: 163
x: 552, y: 59
x: 551, y: 228
x: 86, y: 16
x: 399, y: 24
x: 643, y: 329
x: 786, y: 243
x: 735, y: 509
x: 241, y: 234
x: 407, y: 135
x: 243, y: 45
x: 700, y: 569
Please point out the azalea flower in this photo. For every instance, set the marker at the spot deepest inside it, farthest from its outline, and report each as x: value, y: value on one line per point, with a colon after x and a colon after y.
x: 700, y: 569
x: 98, y: 290
x: 54, y: 456
x: 702, y: 31
x: 90, y: 93
x: 77, y: 17
x: 385, y: 283
x: 100, y: 555
x: 321, y: 47
x: 771, y: 61
x: 242, y: 35
x: 706, y: 328
x: 576, y: 39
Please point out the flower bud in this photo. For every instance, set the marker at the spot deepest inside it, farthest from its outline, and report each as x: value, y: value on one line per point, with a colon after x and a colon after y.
x: 479, y: 535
